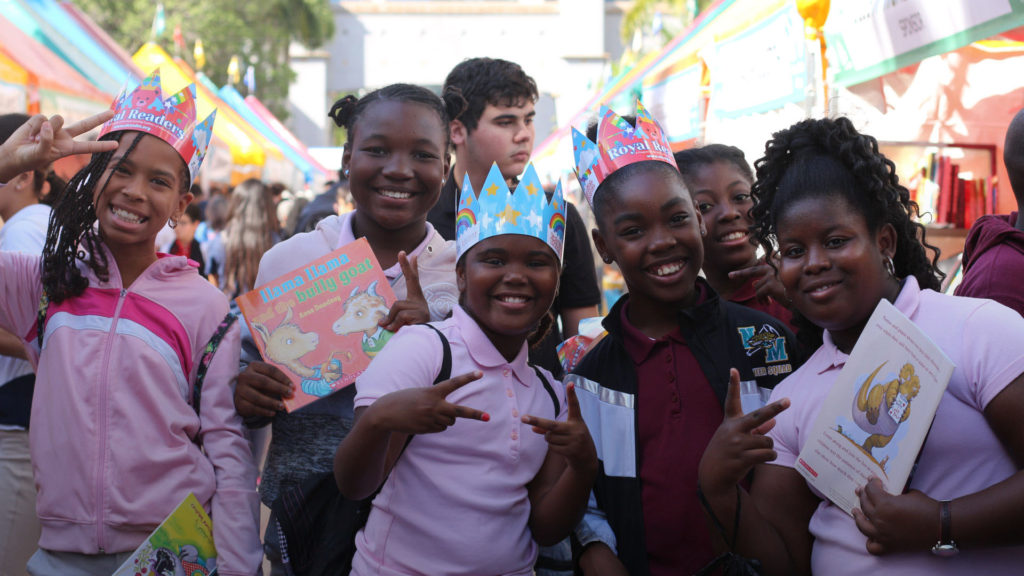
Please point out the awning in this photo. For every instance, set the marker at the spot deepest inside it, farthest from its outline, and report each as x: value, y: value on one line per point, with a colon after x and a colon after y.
x: 283, y: 132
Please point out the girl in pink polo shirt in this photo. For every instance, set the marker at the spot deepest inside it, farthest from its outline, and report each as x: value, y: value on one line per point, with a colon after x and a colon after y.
x: 500, y: 461
x: 842, y: 225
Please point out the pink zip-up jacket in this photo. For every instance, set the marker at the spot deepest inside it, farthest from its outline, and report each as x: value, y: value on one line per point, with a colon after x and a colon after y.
x: 112, y: 428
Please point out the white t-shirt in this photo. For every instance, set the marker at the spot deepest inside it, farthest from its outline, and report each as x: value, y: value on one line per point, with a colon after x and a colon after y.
x: 24, y: 232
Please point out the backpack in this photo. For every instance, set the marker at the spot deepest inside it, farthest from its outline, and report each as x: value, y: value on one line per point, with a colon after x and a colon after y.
x: 317, y: 526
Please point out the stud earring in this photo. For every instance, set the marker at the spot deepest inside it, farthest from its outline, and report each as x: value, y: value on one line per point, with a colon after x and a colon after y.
x: 346, y: 172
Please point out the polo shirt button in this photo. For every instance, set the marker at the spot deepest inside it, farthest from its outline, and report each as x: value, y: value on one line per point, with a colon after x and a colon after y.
x: 515, y: 436
x: 668, y: 359
x: 505, y: 372
x: 515, y: 413
x: 509, y: 393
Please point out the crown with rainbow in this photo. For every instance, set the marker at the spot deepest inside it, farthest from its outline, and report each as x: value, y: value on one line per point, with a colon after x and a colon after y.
x: 619, y: 144
x: 497, y: 211
x: 173, y: 120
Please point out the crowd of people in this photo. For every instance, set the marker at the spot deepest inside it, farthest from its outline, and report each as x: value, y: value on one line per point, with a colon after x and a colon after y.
x: 670, y: 448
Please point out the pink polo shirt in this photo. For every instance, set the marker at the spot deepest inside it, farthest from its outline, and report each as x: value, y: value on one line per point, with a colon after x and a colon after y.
x: 456, y: 502
x: 962, y: 454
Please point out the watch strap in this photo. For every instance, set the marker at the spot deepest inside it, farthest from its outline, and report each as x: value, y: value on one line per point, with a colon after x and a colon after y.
x: 945, y: 546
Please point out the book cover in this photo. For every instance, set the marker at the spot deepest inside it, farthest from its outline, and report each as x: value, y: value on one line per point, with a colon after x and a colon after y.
x: 181, y: 544
x: 877, y: 414
x: 319, y: 322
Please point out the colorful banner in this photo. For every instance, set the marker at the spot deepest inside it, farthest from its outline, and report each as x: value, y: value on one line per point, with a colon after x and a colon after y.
x: 675, y: 102
x: 869, y: 38
x: 759, y: 69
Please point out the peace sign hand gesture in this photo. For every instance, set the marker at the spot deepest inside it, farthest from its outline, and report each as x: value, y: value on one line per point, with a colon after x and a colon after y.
x: 40, y: 141
x: 413, y: 309
x: 425, y: 410
x: 739, y: 443
x: 571, y: 438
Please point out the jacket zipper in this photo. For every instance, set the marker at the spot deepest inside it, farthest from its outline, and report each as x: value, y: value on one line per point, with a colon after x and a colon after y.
x: 104, y: 410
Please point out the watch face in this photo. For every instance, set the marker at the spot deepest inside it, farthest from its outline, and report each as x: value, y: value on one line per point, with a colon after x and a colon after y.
x: 947, y: 549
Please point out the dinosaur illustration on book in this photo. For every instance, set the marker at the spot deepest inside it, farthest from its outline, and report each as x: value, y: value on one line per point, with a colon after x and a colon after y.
x: 879, y: 409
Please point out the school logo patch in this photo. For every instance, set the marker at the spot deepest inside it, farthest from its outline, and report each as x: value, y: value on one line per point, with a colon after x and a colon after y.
x: 767, y: 339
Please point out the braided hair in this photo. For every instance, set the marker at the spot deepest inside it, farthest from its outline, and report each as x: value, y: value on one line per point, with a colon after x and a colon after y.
x: 347, y: 111
x: 829, y: 157
x: 72, y: 235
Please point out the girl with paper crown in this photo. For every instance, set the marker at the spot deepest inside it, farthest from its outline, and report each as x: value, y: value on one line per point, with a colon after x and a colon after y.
x: 116, y: 332
x: 501, y: 448
x: 847, y: 236
x: 660, y: 376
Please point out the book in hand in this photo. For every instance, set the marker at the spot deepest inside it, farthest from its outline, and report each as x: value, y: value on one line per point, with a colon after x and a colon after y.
x: 319, y: 322
x: 877, y: 414
x: 181, y: 544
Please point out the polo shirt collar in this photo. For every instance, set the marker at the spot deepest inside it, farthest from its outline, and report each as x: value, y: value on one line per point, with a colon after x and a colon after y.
x: 906, y: 302
x: 347, y: 235
x: 640, y: 346
x: 483, y: 352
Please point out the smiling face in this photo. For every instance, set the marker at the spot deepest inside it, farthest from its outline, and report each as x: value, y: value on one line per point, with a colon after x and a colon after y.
x: 832, y: 265
x: 504, y: 134
x: 649, y: 227
x: 507, y: 284
x: 722, y: 195
x: 396, y: 161
x: 139, y: 192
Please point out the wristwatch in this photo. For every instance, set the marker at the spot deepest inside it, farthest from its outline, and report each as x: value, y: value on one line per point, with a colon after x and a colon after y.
x: 945, y: 547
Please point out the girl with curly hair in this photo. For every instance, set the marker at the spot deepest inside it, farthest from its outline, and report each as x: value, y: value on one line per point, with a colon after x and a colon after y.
x: 832, y: 207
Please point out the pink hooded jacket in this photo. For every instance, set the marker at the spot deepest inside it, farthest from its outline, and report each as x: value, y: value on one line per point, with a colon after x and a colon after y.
x: 112, y: 428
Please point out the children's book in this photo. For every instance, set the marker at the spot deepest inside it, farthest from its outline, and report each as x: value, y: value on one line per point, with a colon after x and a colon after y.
x: 319, y: 322
x: 181, y: 544
x: 877, y: 414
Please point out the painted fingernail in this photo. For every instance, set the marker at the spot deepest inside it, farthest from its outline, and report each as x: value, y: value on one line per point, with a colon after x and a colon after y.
x: 485, y: 417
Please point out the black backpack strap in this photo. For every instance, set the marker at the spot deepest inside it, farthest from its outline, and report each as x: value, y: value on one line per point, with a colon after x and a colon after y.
x: 551, y: 391
x: 44, y: 304
x: 446, y: 358
x: 207, y: 358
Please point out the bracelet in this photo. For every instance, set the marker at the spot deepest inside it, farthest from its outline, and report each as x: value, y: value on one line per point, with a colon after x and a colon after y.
x: 946, y: 546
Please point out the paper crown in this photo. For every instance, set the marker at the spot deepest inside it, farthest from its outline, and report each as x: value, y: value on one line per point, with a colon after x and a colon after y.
x: 618, y: 144
x: 497, y: 211
x: 173, y: 120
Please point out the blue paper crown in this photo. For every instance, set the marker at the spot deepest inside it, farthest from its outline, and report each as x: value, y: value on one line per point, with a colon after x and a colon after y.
x: 497, y: 211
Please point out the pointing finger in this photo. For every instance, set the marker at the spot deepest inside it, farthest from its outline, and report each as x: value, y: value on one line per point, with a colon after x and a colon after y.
x: 540, y: 425
x: 763, y: 416
x: 83, y: 126
x: 452, y: 384
x: 413, y: 291
x: 574, y: 403
x: 470, y: 413
x: 733, y: 404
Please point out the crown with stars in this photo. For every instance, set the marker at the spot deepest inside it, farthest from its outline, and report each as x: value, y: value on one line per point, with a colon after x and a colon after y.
x: 619, y: 144
x: 172, y: 120
x: 497, y: 210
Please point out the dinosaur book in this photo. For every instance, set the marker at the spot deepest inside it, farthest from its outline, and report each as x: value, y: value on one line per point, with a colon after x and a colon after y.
x: 877, y: 414
x: 319, y: 322
x: 181, y: 544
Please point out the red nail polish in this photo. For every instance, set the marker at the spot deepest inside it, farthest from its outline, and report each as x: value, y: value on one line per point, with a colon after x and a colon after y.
x: 486, y: 417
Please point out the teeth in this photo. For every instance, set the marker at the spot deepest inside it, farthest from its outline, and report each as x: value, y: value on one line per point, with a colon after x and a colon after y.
x: 734, y: 236
x: 666, y: 269
x: 513, y: 299
x: 126, y: 216
x: 822, y: 288
x: 396, y: 194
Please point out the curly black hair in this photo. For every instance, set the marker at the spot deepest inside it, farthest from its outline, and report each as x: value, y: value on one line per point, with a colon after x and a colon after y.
x: 483, y: 81
x: 347, y: 111
x: 830, y: 157
x: 692, y: 160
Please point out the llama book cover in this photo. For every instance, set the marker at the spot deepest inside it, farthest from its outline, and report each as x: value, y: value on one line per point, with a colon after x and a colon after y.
x: 181, y: 544
x: 877, y: 414
x: 319, y: 322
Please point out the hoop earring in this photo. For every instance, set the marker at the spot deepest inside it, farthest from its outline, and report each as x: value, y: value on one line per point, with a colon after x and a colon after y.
x: 890, y: 267
x: 172, y: 222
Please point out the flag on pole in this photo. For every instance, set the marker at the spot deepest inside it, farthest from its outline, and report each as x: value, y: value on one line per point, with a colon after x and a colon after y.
x: 199, y: 55
x: 179, y: 40
x: 250, y: 79
x: 234, y: 74
x: 158, y: 22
